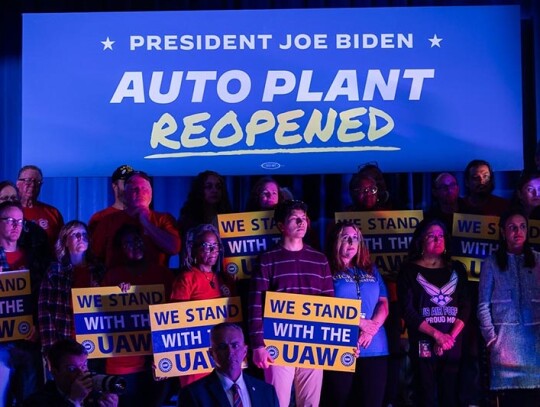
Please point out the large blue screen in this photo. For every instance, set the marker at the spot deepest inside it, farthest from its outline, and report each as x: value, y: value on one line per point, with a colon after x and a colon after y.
x: 272, y: 91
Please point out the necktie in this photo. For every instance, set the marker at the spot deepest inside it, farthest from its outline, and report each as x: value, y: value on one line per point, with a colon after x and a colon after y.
x: 237, y: 401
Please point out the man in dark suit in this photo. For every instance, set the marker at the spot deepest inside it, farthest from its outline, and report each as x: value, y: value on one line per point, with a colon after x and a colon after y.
x: 227, y: 385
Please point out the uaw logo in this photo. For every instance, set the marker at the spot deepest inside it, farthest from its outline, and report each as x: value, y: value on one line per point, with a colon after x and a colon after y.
x: 165, y: 365
x: 232, y: 269
x: 43, y: 223
x: 89, y: 346
x: 440, y: 296
x: 348, y: 359
x: 24, y: 328
x: 273, y: 351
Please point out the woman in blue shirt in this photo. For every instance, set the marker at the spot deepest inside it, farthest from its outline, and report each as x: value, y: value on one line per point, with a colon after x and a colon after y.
x: 356, y: 277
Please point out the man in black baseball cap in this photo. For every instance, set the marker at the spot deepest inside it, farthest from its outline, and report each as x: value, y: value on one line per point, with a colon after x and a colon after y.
x: 118, y: 178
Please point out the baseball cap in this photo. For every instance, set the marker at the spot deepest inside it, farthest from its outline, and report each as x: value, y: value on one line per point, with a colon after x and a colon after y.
x: 122, y: 172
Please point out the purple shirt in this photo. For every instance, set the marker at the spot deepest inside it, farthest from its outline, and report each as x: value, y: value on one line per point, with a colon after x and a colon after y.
x: 296, y: 272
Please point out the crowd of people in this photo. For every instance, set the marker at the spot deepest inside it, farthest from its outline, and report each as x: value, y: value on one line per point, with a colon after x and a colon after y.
x: 456, y: 329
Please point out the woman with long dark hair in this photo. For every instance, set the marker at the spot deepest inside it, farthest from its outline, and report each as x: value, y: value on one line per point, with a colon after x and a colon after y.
x: 509, y: 313
x: 433, y: 297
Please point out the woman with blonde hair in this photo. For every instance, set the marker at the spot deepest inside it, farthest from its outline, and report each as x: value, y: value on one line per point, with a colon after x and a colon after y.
x: 75, y: 268
x: 356, y: 277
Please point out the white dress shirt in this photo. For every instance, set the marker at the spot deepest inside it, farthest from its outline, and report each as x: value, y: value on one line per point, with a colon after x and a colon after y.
x: 242, y: 389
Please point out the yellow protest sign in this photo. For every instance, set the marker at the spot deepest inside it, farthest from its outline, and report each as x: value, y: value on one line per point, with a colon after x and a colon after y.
x: 244, y: 236
x: 15, y: 305
x: 474, y: 237
x: 386, y: 233
x: 111, y: 323
x: 311, y: 331
x: 181, y: 333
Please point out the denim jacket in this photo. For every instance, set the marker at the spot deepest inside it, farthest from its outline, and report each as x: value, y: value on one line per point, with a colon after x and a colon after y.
x: 509, y: 316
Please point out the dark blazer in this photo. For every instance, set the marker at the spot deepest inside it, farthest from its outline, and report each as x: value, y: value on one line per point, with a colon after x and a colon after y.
x: 208, y: 392
x: 48, y: 396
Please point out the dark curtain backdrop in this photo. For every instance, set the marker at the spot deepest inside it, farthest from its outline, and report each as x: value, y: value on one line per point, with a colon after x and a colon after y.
x: 78, y: 198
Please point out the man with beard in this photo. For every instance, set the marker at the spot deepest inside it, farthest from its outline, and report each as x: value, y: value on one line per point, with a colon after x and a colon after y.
x: 479, y: 185
x: 118, y: 179
x: 227, y: 385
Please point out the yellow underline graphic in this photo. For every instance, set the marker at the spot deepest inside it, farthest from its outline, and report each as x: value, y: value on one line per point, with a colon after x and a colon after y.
x: 273, y: 151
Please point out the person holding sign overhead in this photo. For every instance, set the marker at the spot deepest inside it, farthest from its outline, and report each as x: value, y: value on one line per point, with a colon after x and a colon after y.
x: 356, y: 277
x: 434, y: 299
x: 509, y: 314
x: 227, y: 385
x: 201, y: 277
x: 290, y: 267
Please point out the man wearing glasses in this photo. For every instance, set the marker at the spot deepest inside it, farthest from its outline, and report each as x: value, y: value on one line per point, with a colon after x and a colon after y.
x: 29, y: 183
x: 20, y: 360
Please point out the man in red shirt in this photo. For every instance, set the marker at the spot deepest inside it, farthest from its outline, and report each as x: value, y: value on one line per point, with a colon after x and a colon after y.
x: 29, y: 183
x: 118, y: 179
x: 159, y: 230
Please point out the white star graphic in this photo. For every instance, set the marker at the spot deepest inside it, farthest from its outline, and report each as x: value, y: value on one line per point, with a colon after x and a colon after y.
x: 435, y: 41
x: 107, y: 44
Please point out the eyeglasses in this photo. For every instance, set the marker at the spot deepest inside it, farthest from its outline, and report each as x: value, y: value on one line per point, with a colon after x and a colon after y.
x: 9, y: 198
x: 210, y: 247
x: 432, y: 237
x: 366, y: 191
x: 13, y: 222
x: 79, y: 236
x: 29, y: 181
